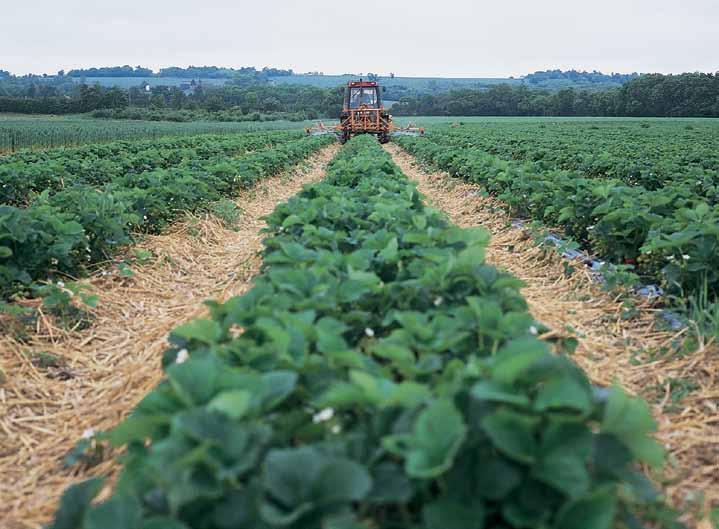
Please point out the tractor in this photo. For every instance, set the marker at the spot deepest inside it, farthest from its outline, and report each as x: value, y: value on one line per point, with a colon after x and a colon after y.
x: 363, y: 113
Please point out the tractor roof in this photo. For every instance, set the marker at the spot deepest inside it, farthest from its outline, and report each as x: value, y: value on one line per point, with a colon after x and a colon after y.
x: 362, y: 84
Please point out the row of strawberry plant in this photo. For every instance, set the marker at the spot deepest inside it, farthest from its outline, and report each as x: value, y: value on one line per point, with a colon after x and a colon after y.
x: 650, y: 154
x: 670, y: 234
x: 24, y: 176
x: 65, y: 232
x: 379, y: 375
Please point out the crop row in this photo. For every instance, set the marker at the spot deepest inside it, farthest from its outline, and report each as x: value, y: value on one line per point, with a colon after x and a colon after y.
x: 378, y: 375
x: 649, y: 154
x: 17, y: 133
x: 670, y: 234
x: 24, y: 175
x: 65, y: 232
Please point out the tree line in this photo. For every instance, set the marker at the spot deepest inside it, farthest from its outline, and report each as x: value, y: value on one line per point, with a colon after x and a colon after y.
x: 307, y: 101
x: 684, y: 95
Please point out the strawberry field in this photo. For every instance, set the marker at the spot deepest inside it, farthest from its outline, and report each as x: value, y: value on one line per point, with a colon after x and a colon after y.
x: 643, y: 194
x: 379, y: 374
x: 62, y: 212
x: 370, y: 369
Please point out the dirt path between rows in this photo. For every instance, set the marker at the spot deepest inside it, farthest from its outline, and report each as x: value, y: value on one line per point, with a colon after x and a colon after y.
x: 112, y: 365
x: 682, y: 389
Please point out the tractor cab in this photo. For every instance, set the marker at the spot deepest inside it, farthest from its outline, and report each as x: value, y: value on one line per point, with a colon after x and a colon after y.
x: 362, y: 94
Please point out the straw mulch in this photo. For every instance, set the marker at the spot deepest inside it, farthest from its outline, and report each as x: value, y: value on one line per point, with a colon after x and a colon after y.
x: 683, y: 389
x: 109, y: 367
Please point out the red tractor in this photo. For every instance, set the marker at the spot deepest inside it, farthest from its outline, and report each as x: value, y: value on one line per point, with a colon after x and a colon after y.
x: 363, y: 113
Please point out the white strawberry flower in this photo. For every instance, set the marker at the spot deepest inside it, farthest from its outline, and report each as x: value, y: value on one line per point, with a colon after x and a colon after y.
x: 89, y: 433
x: 182, y: 356
x: 324, y: 415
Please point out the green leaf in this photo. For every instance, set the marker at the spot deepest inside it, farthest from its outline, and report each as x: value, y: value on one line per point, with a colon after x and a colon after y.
x: 329, y: 335
x: 205, y: 331
x: 563, y: 472
x: 288, y: 474
x: 470, y: 257
x: 234, y: 404
x: 136, y: 428
x: 390, y: 485
x: 75, y: 502
x: 396, y: 352
x: 343, y: 521
x: 496, y: 392
x: 446, y: 513
x: 515, y: 358
x: 389, y: 253
x: 143, y: 255
x: 342, y: 480
x: 409, y: 394
x: 564, y: 392
x: 90, y: 300
x: 161, y: 522
x: 341, y: 394
x: 595, y: 511
x: 430, y: 449
x: 194, y: 380
x: 122, y: 511
x: 5, y: 252
x: 512, y: 434
x: 278, y: 385
x: 629, y: 419
x: 419, y: 221
x: 496, y: 478
x: 564, y: 456
x: 125, y: 270
x: 303, y: 479
x: 291, y: 220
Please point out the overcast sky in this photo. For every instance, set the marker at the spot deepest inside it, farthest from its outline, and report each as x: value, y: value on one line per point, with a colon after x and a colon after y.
x: 471, y: 38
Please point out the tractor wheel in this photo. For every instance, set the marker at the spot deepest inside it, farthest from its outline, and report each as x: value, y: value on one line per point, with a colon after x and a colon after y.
x: 383, y: 137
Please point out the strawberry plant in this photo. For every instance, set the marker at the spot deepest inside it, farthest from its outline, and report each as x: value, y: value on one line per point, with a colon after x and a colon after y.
x: 619, y: 219
x: 66, y: 231
x: 24, y: 175
x: 378, y: 375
